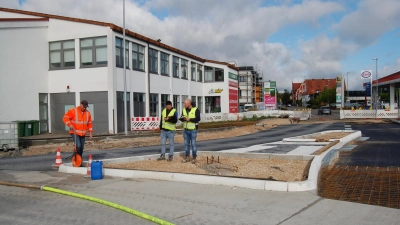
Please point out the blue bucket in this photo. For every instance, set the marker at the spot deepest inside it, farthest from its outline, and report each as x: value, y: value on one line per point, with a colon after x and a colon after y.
x: 97, y: 170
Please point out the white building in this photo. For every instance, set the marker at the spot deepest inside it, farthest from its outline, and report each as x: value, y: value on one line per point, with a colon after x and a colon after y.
x: 50, y: 63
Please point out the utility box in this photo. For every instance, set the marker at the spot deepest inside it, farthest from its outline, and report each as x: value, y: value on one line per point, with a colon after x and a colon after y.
x: 8, y: 136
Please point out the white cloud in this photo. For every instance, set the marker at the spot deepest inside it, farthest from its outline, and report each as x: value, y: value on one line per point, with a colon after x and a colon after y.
x: 389, y: 68
x: 225, y: 30
x: 370, y: 21
x: 322, y: 56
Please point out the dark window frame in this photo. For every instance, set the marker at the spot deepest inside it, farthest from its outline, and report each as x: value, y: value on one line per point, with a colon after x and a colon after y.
x: 184, y: 68
x: 153, y: 55
x: 175, y: 67
x: 136, y: 51
x: 164, y: 60
x: 93, y: 48
x: 199, y: 73
x: 61, y: 51
x: 193, y: 71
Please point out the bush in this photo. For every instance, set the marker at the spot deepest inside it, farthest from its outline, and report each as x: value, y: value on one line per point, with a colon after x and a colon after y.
x: 314, y: 107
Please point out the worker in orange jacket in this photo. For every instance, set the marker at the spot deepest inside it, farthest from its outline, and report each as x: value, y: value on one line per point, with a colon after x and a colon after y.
x: 79, y: 121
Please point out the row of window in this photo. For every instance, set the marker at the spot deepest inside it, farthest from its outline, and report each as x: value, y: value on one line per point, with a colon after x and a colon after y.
x: 93, y: 53
x: 196, y: 75
x: 154, y: 100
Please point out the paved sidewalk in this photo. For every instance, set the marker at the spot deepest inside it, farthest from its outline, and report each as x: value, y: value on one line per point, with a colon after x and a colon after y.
x: 180, y: 203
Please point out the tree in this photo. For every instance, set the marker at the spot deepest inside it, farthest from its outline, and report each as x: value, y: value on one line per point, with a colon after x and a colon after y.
x: 328, y: 96
x: 285, y: 97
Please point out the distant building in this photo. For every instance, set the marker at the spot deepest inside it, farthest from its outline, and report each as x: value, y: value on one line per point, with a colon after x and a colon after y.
x: 250, y: 86
x: 310, y: 88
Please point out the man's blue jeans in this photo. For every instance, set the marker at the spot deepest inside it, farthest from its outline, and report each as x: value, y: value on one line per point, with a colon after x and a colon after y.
x: 170, y: 135
x: 190, y: 139
x: 79, y: 141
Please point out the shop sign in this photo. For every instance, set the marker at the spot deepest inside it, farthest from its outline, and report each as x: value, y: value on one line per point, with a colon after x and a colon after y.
x: 233, y: 76
x: 215, y: 91
x: 233, y: 84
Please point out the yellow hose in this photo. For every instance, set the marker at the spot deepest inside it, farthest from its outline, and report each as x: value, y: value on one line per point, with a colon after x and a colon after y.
x: 107, y: 203
x: 104, y: 202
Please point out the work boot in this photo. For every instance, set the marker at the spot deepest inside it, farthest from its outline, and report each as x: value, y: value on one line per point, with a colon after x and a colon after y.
x: 162, y: 157
x: 186, y: 159
x: 170, y: 158
x: 194, y: 160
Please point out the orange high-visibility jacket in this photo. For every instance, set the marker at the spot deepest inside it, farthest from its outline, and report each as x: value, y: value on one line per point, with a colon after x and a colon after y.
x: 82, y: 121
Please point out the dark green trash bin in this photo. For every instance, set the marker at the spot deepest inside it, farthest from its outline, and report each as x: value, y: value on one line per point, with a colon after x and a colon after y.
x: 28, y: 128
x: 36, y: 127
x: 21, y: 128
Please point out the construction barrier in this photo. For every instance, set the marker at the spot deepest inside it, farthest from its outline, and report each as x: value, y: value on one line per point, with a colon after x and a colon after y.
x: 151, y: 123
x: 145, y: 123
x: 364, y: 114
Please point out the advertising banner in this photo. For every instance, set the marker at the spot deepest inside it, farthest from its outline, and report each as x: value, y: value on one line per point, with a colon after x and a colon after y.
x: 368, y: 89
x: 338, y: 91
x: 269, y: 95
x: 233, y: 84
x: 233, y: 101
x: 269, y: 101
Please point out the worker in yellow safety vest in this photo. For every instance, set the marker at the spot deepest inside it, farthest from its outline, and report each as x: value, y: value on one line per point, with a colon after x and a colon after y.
x: 190, y: 118
x: 169, y: 117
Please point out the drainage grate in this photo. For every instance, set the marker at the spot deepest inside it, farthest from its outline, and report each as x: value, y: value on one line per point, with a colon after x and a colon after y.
x: 368, y: 185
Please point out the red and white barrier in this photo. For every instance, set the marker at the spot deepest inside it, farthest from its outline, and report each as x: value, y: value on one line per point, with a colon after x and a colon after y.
x: 145, y: 123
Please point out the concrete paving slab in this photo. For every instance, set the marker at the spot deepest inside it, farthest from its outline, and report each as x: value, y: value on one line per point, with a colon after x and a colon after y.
x: 304, y: 150
x: 180, y: 203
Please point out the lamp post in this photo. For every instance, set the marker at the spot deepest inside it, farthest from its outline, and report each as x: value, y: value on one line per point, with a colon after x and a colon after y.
x: 377, y: 82
x: 124, y: 66
x: 347, y: 87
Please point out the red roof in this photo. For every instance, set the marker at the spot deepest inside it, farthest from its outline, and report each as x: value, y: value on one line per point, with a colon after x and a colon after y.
x: 295, y: 86
x: 393, y: 76
x: 117, y: 29
x: 318, y: 85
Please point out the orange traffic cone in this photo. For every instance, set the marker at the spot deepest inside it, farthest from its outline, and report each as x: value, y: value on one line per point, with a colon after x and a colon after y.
x: 58, y: 158
x: 89, y: 165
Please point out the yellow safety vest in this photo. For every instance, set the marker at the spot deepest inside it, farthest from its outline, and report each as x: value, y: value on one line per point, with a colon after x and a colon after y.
x: 168, y: 125
x: 192, y: 115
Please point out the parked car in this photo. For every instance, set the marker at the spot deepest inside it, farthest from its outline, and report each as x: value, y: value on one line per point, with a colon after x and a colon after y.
x: 324, y: 110
x: 288, y: 105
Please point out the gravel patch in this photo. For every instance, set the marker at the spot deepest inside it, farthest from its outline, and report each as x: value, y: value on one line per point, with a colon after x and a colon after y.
x: 269, y: 169
x: 150, y: 141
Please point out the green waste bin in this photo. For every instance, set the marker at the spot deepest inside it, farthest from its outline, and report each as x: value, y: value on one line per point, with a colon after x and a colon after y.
x: 21, y: 128
x: 36, y: 127
x: 28, y: 128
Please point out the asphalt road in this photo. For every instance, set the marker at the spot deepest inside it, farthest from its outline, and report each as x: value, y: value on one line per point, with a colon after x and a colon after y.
x: 380, y: 150
x: 44, y: 162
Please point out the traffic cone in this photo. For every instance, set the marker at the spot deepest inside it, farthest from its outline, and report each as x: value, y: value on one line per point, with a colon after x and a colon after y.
x: 89, y: 167
x: 58, y: 158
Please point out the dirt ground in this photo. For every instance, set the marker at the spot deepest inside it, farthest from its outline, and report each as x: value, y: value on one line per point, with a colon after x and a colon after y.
x: 327, y: 136
x: 149, y: 141
x: 270, y: 169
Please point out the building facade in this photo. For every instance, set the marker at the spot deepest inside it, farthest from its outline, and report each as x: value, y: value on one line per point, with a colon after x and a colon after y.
x: 50, y: 63
x: 250, y: 86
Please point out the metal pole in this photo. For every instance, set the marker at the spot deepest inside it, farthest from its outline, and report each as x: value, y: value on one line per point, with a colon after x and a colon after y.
x: 348, y: 87
x: 377, y: 82
x: 123, y: 64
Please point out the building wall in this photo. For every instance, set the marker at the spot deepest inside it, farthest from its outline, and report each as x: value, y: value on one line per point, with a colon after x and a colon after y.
x: 23, y: 71
x: 26, y: 75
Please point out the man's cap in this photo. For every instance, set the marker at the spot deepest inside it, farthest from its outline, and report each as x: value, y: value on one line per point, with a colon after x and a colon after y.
x: 85, y: 103
x: 169, y: 103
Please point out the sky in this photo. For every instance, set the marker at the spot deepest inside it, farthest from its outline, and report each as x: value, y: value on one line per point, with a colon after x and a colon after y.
x: 286, y: 40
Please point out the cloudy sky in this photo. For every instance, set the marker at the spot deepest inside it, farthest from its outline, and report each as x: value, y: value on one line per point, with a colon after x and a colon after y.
x: 287, y: 40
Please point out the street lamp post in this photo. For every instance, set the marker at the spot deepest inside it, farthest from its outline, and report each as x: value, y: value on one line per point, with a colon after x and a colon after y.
x: 377, y: 82
x: 347, y: 87
x: 124, y: 66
